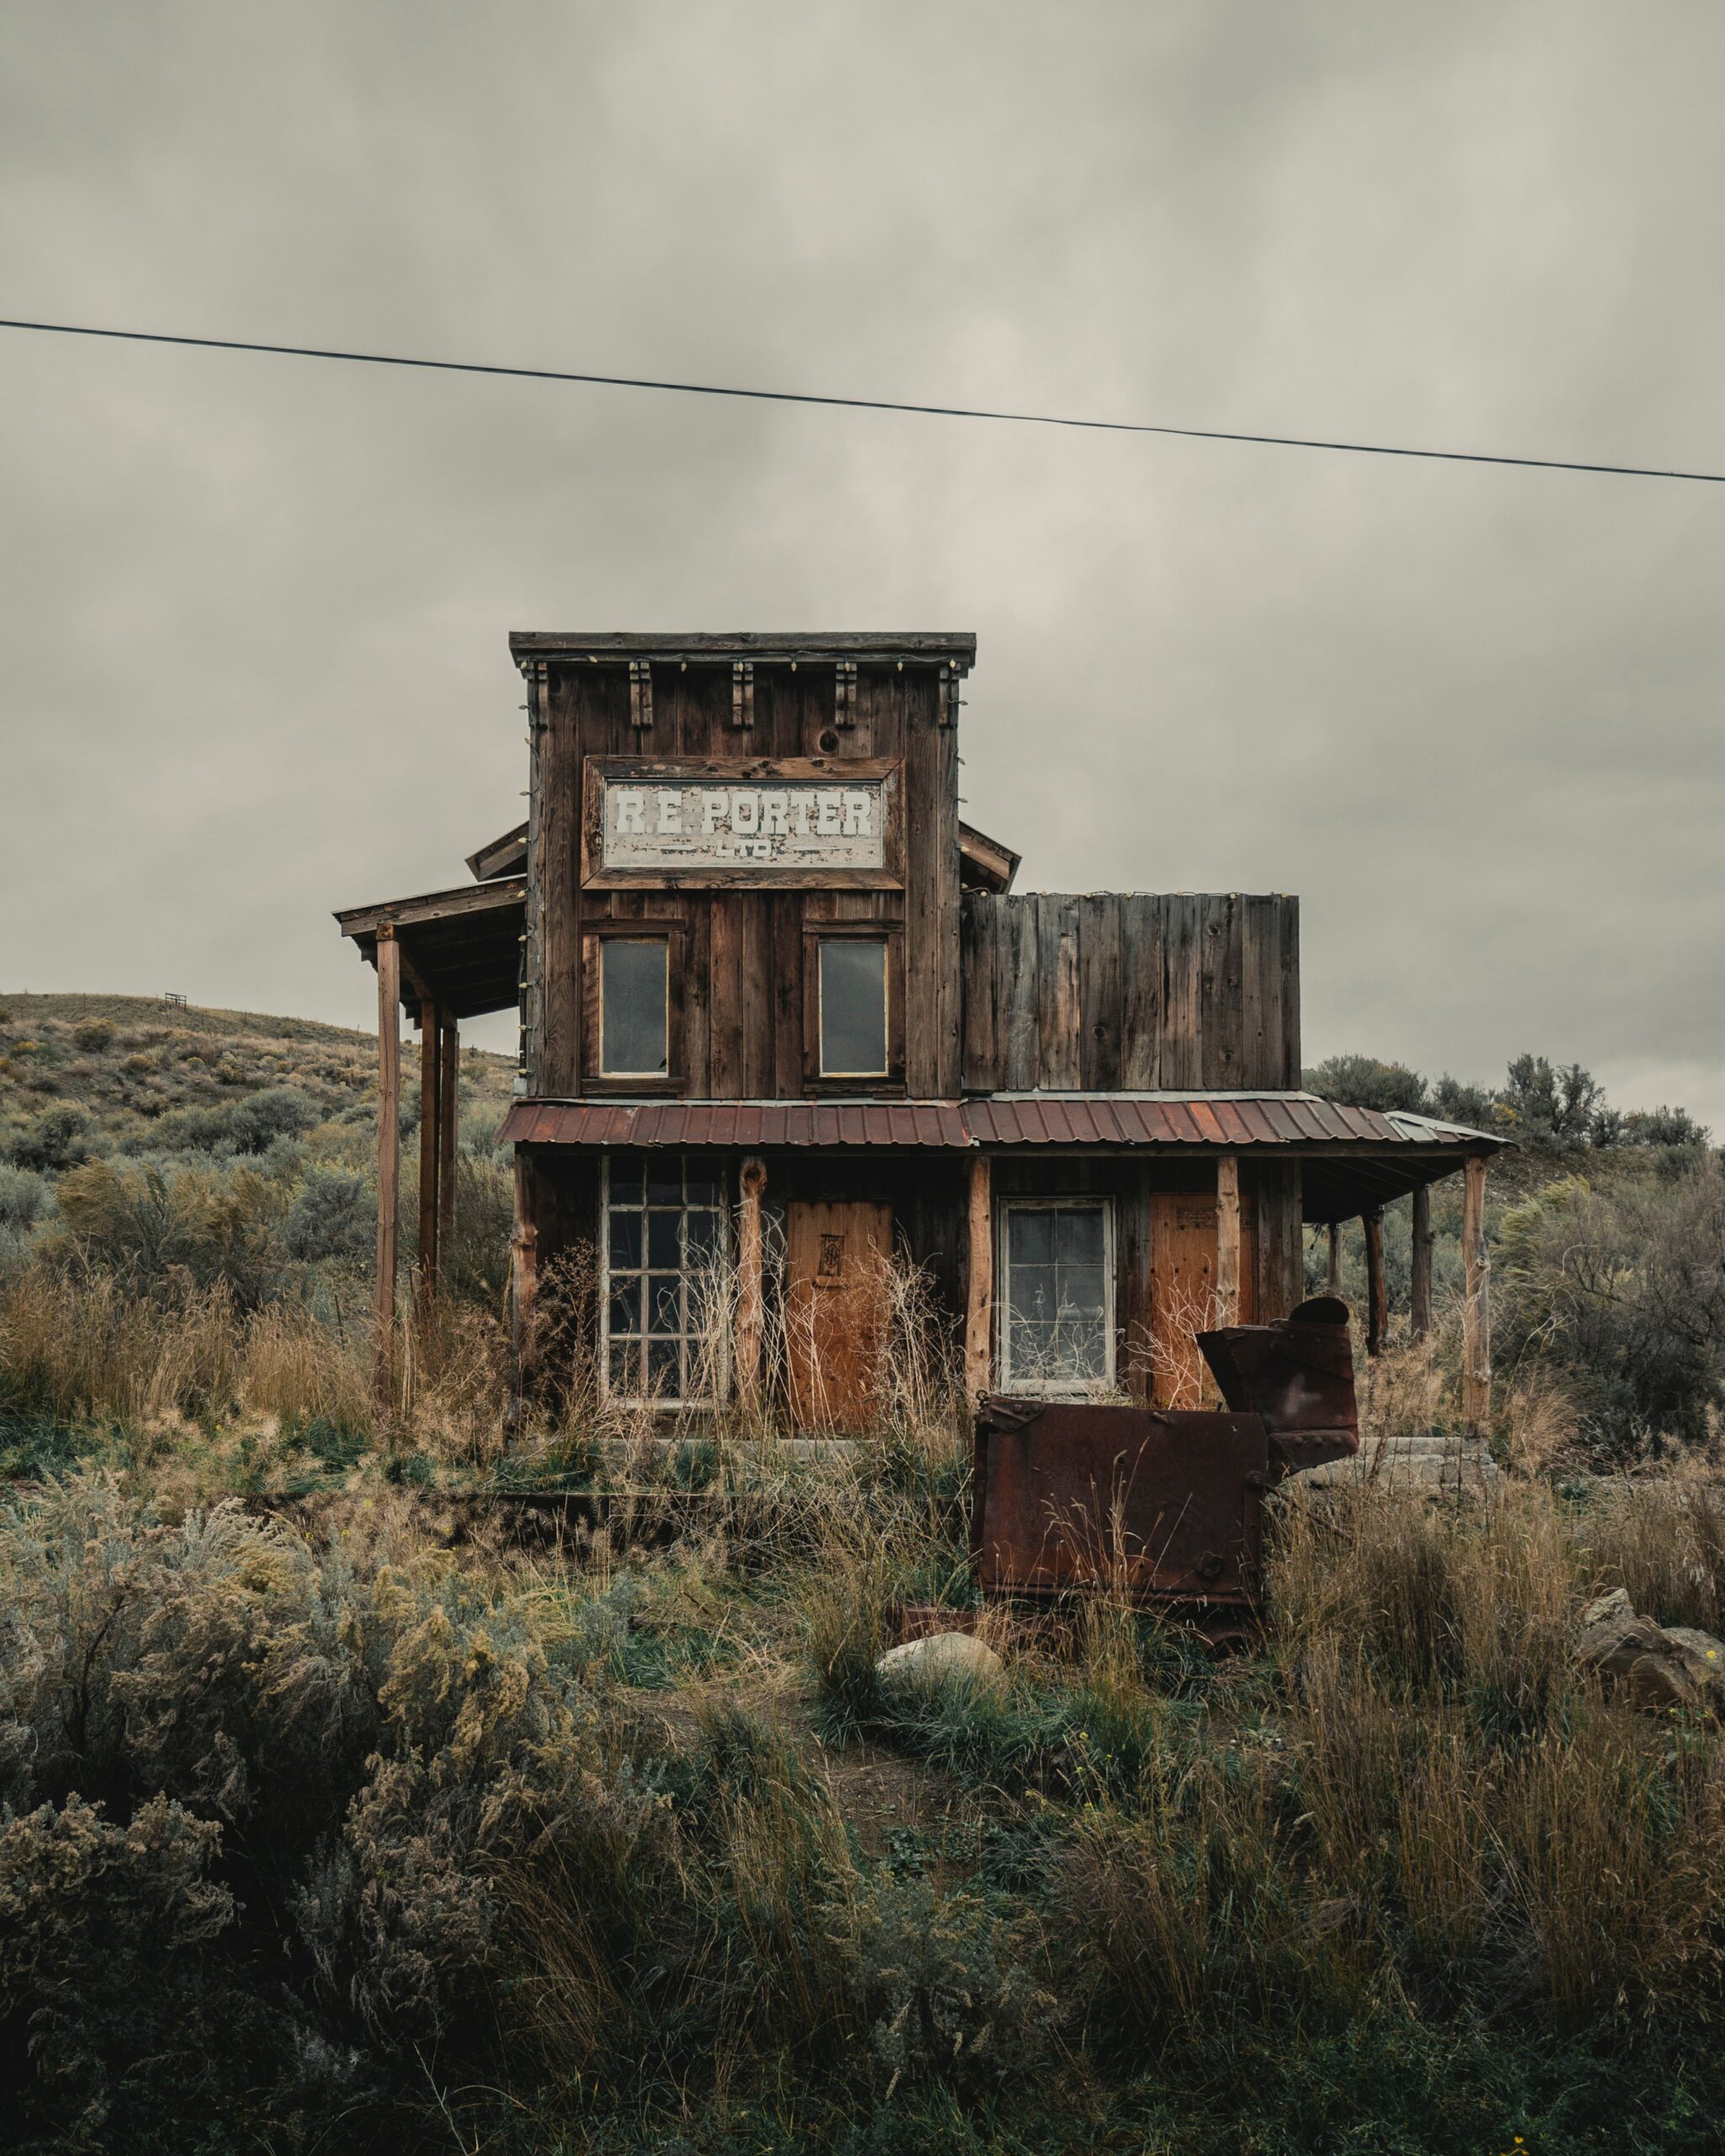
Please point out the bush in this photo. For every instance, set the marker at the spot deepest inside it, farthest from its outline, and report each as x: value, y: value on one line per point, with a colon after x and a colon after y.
x: 24, y: 1198
x: 249, y: 1125
x: 93, y: 1035
x: 201, y: 1228
x: 334, y: 1215
x: 58, y: 1140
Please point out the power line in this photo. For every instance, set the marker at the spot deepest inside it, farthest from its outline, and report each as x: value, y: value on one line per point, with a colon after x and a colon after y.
x: 859, y: 403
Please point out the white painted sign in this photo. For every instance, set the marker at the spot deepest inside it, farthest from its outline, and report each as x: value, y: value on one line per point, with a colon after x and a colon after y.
x: 775, y: 824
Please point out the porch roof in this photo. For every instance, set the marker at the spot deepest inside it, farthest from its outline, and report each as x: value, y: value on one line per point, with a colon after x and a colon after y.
x: 1352, y: 1158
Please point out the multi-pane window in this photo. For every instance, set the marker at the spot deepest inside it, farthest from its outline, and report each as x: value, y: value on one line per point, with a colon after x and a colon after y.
x: 1057, y: 1330
x: 634, y: 1005
x: 664, y: 1300
x: 852, y: 1007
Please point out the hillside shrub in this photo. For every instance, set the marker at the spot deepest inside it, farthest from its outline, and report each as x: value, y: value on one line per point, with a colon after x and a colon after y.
x: 92, y: 1035
x: 25, y: 1198
x: 58, y: 1139
x: 250, y: 1124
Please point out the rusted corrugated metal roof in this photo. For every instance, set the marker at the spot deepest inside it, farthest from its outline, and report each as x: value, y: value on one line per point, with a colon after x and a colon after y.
x: 735, y: 1122
x: 1221, y: 1121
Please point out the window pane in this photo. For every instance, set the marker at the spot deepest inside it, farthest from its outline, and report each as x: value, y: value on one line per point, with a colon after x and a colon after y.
x: 852, y: 1007
x: 1080, y: 1290
x: 1031, y: 1230
x: 1034, y: 1292
x: 1079, y: 1235
x: 664, y: 1303
x: 702, y: 1239
x: 625, y: 1179
x: 664, y: 1369
x: 631, y: 1006
x: 664, y: 1241
x: 625, y: 1242
x: 626, y: 1368
x: 626, y: 1303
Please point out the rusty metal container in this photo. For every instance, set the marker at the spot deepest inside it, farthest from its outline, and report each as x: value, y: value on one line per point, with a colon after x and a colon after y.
x: 1165, y: 1505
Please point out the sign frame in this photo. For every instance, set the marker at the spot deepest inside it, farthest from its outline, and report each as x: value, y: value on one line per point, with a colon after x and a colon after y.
x: 886, y: 773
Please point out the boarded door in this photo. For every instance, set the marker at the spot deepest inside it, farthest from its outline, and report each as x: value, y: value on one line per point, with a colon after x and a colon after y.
x: 1182, y: 1293
x: 836, y: 1310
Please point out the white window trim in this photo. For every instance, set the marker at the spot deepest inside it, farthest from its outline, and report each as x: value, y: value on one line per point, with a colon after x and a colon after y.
x: 883, y: 944
x: 661, y: 1402
x: 1076, y: 1388
x: 606, y: 1070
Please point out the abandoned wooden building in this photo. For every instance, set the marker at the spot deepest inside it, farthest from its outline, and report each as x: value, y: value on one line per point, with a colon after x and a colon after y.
x: 783, y: 1015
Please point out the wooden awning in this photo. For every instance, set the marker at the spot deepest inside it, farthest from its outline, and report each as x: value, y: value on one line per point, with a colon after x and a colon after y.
x: 460, y: 949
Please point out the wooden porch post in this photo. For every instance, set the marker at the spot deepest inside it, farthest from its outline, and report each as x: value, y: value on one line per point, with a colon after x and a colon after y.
x: 979, y: 1280
x: 430, y: 1044
x: 388, y: 1163
x: 1476, y: 1304
x: 1228, y: 1239
x: 752, y: 1182
x: 1335, y: 1280
x: 1419, y: 1278
x: 449, y: 1099
x: 1377, y: 1300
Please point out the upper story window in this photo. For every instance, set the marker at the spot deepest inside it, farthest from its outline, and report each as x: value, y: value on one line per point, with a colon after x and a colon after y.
x: 634, y: 1001
x: 1057, y: 1330
x: 853, y: 1015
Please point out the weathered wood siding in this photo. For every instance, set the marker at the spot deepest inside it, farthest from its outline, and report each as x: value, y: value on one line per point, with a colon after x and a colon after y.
x: 1123, y: 992
x: 742, y: 1022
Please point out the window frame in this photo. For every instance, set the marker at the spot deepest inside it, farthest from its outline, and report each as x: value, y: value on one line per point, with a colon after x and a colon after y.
x: 723, y: 1205
x: 1060, y: 1201
x: 595, y: 934
x: 891, y: 936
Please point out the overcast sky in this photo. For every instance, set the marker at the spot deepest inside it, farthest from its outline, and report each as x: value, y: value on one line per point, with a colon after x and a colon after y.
x: 252, y: 662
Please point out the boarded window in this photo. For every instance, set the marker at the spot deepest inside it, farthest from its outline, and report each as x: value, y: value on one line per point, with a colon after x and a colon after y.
x: 633, y: 999
x: 852, y: 1007
x: 1058, y: 1299
x: 666, y: 1278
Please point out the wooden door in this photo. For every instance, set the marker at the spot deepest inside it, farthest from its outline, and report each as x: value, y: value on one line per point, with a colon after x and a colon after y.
x: 1183, y: 1291
x: 836, y: 1258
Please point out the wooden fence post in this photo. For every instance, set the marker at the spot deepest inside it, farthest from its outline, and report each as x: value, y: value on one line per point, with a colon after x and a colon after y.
x: 430, y: 1043
x: 1228, y: 1239
x: 1377, y: 1298
x: 979, y: 1280
x: 388, y: 1164
x: 1475, y: 1303
x: 1419, y: 1276
x: 752, y: 1183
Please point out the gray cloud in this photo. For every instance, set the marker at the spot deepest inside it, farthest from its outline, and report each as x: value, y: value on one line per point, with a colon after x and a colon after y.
x: 253, y: 661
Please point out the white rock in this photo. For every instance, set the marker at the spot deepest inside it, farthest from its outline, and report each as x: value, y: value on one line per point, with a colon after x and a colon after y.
x: 937, y: 1657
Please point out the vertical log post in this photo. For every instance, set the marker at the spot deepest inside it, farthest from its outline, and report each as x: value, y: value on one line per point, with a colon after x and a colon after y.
x: 752, y: 1183
x: 1335, y: 1279
x: 430, y: 1043
x: 1228, y: 1239
x: 1377, y: 1296
x: 1419, y: 1276
x: 449, y: 1100
x: 979, y: 1280
x: 1476, y: 1304
x: 388, y: 1164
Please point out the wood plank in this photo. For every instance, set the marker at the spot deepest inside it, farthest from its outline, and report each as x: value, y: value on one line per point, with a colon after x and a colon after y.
x: 1419, y: 1272
x: 1022, y: 918
x: 1181, y: 999
x: 836, y: 1312
x: 1260, y: 993
x: 559, y: 953
x: 1100, y: 962
x: 1057, y: 991
x: 1288, y: 960
x: 725, y: 1035
x: 786, y: 913
x: 1334, y: 1281
x: 388, y: 1168
x: 979, y: 966
x: 946, y: 891
x: 698, y: 1004
x: 1182, y: 1293
x: 430, y: 1126
x: 979, y: 1282
x: 757, y: 994
x: 524, y: 1285
x: 1218, y: 1008
x: 1142, y: 967
x: 1475, y: 1303
x: 1279, y: 1270
x: 1227, y: 1294
x: 924, y: 824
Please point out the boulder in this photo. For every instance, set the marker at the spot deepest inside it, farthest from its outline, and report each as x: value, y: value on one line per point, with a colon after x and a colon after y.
x: 1656, y: 1666
x: 937, y: 1657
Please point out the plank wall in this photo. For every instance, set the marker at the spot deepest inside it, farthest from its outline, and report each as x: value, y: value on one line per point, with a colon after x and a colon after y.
x: 741, y: 954
x: 1123, y: 992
